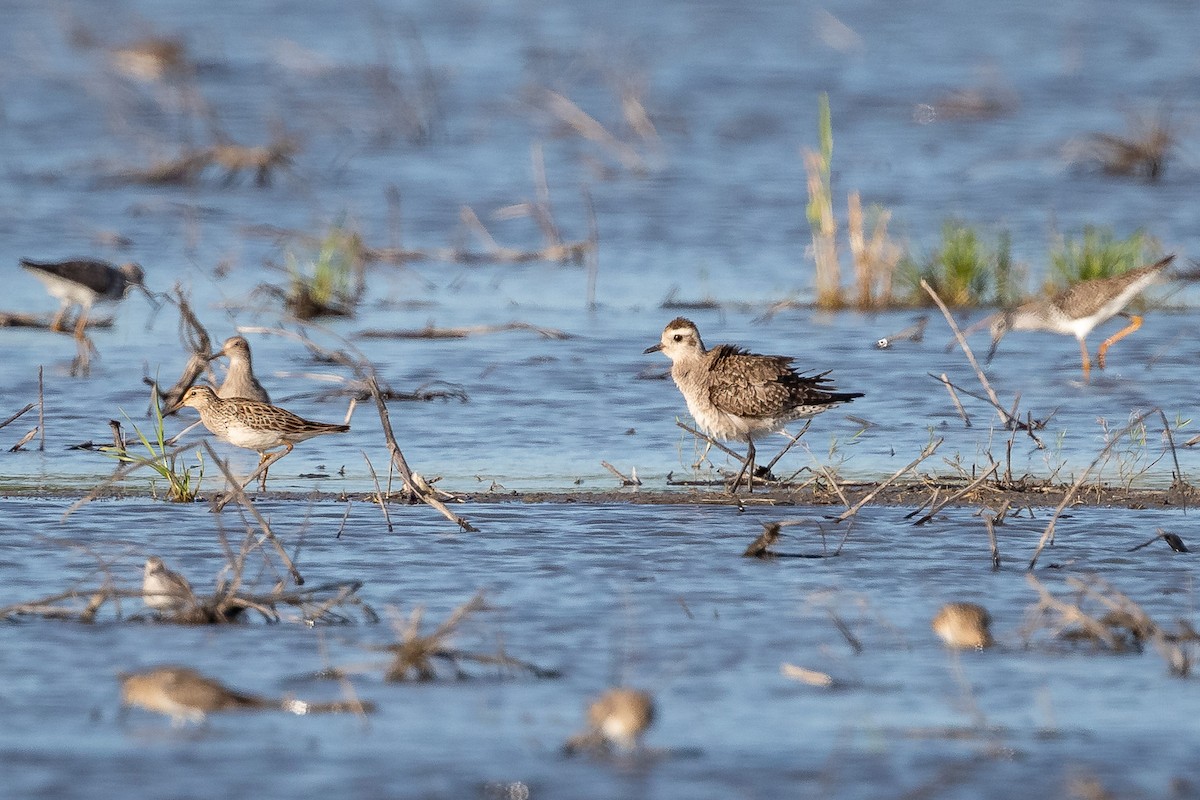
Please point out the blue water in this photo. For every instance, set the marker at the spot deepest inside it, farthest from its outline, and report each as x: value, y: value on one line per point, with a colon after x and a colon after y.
x: 654, y: 596
x: 714, y: 208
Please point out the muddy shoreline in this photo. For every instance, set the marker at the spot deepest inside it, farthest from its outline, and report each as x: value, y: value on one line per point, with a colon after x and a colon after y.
x: 913, y: 494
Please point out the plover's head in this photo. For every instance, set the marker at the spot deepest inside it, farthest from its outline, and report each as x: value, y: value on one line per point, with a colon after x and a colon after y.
x: 680, y: 339
x: 154, y: 564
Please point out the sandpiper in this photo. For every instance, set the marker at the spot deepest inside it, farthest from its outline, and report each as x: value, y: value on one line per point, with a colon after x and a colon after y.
x: 963, y: 625
x: 151, y: 59
x: 1078, y: 309
x: 187, y: 696
x: 239, y: 380
x: 618, y: 717
x: 164, y: 589
x: 84, y: 282
x: 735, y: 394
x: 254, y: 425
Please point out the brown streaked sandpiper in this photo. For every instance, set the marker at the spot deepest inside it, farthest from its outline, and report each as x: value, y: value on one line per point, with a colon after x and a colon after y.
x: 255, y: 426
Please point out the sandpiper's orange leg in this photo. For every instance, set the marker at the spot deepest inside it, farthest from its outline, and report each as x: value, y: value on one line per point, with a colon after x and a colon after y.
x: 57, y: 324
x: 1087, y: 362
x: 1135, y: 322
x: 80, y: 324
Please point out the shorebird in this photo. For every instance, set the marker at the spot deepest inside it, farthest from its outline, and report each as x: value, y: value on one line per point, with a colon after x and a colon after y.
x: 964, y: 625
x: 618, y: 717
x: 735, y: 394
x: 85, y: 282
x: 253, y: 425
x: 187, y: 696
x: 239, y: 380
x: 151, y: 59
x: 164, y: 589
x: 1078, y: 309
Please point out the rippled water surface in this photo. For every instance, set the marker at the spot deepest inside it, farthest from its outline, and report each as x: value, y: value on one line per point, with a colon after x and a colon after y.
x: 404, y: 114
x: 658, y: 595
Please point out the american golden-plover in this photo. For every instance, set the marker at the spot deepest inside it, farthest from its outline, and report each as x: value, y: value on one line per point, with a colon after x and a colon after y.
x: 239, y: 380
x: 187, y: 696
x: 738, y: 395
x: 1078, y: 309
x: 164, y: 589
x: 85, y: 282
x: 963, y: 625
x: 255, y: 426
x: 619, y: 717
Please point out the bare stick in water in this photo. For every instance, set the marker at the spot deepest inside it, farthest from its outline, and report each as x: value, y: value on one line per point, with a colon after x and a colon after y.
x: 262, y: 522
x: 966, y: 348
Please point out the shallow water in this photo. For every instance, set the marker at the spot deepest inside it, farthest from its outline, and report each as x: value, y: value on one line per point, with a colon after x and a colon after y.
x: 658, y: 595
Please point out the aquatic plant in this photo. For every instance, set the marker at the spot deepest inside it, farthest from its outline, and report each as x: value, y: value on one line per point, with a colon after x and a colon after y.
x: 964, y: 270
x: 1142, y: 153
x: 329, y: 283
x: 415, y: 655
x: 162, y: 458
x: 875, y: 258
x: 1099, y: 253
x: 820, y: 210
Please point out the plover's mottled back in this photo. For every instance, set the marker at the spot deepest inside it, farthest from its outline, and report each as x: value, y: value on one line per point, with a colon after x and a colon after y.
x: 1078, y: 309
x: 85, y: 282
x: 735, y: 394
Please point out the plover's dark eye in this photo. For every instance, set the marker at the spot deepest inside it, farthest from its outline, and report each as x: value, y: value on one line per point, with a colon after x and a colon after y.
x: 678, y: 337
